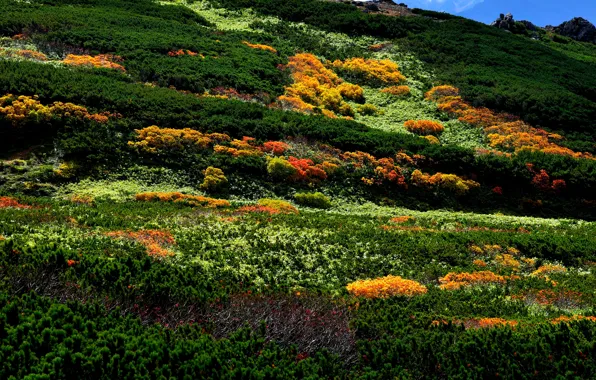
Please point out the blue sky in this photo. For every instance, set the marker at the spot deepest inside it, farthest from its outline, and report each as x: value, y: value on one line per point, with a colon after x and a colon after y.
x: 540, y: 12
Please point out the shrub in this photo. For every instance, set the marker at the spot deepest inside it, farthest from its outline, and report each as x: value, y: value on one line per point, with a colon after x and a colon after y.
x: 215, y: 180
x: 367, y: 109
x: 397, y: 90
x: 156, y: 140
x: 440, y: 92
x: 370, y: 71
x: 280, y: 168
x: 424, y: 127
x: 101, y: 61
x: 316, y: 200
x: 260, y: 47
x: 385, y: 287
x: 351, y: 92
x: 191, y: 200
x: 432, y: 139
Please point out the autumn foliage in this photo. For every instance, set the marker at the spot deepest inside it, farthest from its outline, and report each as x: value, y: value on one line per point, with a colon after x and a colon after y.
x: 8, y: 202
x: 370, y: 71
x: 178, y: 53
x: 260, y: 47
x: 154, y: 139
x: 22, y: 109
x: 270, y: 206
x: 105, y: 61
x: 192, y: 200
x: 424, y: 127
x: 397, y: 90
x: 156, y: 242
x: 384, y: 287
x: 449, y: 182
x: 454, y: 281
x: 504, y: 131
x: 316, y: 87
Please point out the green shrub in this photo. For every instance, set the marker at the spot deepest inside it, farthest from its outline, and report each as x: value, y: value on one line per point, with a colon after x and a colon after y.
x: 316, y: 200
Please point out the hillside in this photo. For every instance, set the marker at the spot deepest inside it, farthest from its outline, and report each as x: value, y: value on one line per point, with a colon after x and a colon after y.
x: 296, y: 188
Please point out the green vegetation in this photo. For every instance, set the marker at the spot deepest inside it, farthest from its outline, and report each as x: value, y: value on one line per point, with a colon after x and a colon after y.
x: 277, y: 189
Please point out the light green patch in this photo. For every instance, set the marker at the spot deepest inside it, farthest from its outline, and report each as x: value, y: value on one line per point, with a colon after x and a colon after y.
x: 464, y: 135
x: 117, y: 191
x: 225, y: 19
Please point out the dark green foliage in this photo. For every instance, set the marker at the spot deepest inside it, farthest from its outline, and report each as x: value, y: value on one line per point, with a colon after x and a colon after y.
x: 49, y: 340
x: 143, y: 38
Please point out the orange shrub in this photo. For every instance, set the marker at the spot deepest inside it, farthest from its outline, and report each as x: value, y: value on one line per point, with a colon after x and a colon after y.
x: 439, y: 92
x: 454, y: 281
x: 8, y: 202
x: 424, y: 127
x: 153, y: 139
x: 484, y: 323
x: 548, y: 269
x: 270, y: 206
x: 260, y: 47
x: 385, y: 287
x: 192, y: 200
x: 240, y: 148
x: 105, y: 61
x: 155, y: 241
x: 351, y: 92
x: 31, y: 54
x: 276, y: 147
x: 402, y: 219
x: 370, y: 71
x: 306, y: 170
x: 177, y: 53
x: 397, y: 90
x: 566, y: 319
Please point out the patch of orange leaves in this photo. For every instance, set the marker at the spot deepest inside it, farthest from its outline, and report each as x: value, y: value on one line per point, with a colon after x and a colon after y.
x: 566, y: 319
x: 155, y: 241
x: 503, y: 130
x: 106, y: 61
x: 424, y: 127
x: 8, y: 202
x: 454, y: 281
x: 260, y: 47
x: 384, y: 287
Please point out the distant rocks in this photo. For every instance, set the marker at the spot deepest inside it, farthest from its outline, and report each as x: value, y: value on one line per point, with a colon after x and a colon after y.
x: 578, y: 29
x: 506, y: 22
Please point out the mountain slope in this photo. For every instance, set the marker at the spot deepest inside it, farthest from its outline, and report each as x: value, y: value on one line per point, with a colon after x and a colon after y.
x: 197, y: 190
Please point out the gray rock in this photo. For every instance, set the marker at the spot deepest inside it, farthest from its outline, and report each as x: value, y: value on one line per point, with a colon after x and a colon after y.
x: 578, y: 29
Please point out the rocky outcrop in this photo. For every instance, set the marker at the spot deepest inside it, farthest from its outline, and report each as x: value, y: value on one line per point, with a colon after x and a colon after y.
x: 506, y: 22
x: 578, y: 29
